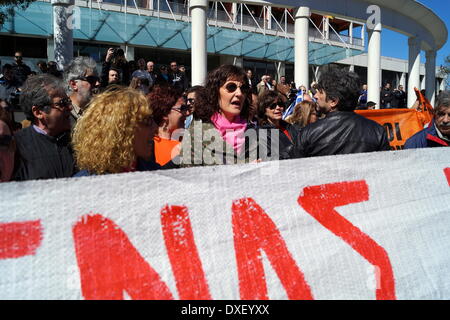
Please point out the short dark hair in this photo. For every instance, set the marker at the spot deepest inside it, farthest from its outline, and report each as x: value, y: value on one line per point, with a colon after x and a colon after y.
x: 207, y: 101
x: 37, y: 92
x: 193, y: 89
x: 341, y: 85
x: 371, y: 104
x: 266, y: 99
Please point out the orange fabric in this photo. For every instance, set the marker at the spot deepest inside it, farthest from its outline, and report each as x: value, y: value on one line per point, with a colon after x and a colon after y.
x: 165, y: 150
x: 426, y: 109
x: 400, y: 124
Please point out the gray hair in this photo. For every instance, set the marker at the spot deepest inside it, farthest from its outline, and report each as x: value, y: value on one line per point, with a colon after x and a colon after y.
x: 77, y: 68
x: 38, y: 91
x: 443, y: 100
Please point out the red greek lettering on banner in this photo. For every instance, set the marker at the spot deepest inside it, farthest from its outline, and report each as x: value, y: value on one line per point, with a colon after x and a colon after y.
x: 109, y: 263
x: 19, y: 239
x: 183, y: 255
x: 321, y: 201
x: 255, y: 231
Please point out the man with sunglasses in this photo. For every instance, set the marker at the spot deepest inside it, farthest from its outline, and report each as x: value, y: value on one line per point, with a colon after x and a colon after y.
x: 342, y: 131
x: 82, y: 80
x: 43, y: 148
x: 20, y: 70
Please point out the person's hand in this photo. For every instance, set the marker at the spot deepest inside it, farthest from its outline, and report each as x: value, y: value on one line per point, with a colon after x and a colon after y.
x: 109, y: 54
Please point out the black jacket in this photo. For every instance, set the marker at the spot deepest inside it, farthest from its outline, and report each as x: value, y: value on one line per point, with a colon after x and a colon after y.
x: 399, y: 99
x: 21, y: 72
x: 285, y: 144
x: 43, y: 157
x: 386, y: 96
x: 340, y: 132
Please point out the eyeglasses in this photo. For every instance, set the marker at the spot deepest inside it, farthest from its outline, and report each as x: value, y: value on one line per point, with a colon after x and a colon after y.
x: 18, y: 57
x: 183, y: 108
x: 232, y: 87
x: 91, y: 79
x: 274, y: 105
x: 64, y: 103
x: 190, y: 100
x: 5, y: 141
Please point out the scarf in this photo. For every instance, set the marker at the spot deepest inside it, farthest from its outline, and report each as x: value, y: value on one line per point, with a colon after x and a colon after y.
x: 231, y: 132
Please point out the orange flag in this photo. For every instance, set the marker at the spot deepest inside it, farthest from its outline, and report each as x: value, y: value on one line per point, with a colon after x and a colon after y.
x: 425, y: 108
x: 400, y: 124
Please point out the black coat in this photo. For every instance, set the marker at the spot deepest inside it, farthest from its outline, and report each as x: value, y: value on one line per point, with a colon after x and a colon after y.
x: 285, y: 145
x: 43, y: 157
x: 340, y: 133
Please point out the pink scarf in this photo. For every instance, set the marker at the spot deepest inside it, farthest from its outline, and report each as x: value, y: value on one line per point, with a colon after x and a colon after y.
x: 231, y: 132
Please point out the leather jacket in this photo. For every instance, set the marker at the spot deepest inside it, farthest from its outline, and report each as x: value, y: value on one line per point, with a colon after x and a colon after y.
x: 341, y: 132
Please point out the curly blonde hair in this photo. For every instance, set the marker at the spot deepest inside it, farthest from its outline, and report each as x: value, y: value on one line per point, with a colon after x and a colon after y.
x: 103, y: 137
x: 302, y: 113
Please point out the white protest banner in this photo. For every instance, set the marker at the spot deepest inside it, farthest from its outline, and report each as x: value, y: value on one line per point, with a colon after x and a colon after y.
x: 366, y: 226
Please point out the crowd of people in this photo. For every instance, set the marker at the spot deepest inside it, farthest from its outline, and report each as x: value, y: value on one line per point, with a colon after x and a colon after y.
x: 128, y: 118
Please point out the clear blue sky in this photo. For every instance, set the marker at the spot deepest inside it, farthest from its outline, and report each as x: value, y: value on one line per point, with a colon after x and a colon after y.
x: 396, y: 45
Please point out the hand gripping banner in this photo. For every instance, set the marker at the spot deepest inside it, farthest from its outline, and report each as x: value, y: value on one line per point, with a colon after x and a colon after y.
x: 366, y: 226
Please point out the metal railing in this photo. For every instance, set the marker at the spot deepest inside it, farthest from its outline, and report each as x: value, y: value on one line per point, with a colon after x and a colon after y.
x: 243, y: 18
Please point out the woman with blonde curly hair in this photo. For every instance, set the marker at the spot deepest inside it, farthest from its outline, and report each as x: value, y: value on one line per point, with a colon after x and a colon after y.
x: 304, y: 113
x: 114, y: 133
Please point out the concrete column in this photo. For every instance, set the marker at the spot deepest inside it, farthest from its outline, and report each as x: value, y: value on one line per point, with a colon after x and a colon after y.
x: 281, y: 69
x: 234, y: 11
x: 327, y: 28
x: 374, y: 65
x: 269, y: 17
x: 363, y: 34
x: 403, y: 80
x: 430, y: 75
x: 413, y: 70
x: 50, y: 49
x: 350, y: 32
x: 301, y: 43
x: 351, y: 68
x: 198, y: 43
x: 63, y: 25
x: 129, y: 52
x: 442, y: 85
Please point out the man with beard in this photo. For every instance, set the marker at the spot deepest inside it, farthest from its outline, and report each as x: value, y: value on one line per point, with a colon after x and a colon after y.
x: 438, y: 132
x: 82, y: 79
x: 43, y: 148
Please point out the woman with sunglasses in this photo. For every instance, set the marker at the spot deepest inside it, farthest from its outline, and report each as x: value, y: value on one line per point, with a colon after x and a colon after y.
x: 271, y: 106
x: 169, y: 112
x: 219, y: 130
x: 115, y: 134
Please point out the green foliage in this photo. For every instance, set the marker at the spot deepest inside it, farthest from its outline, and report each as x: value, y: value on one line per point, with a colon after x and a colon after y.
x: 7, y: 8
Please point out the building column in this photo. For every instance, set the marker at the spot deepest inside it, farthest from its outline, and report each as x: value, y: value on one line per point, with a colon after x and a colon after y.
x: 403, y: 80
x: 301, y: 43
x: 62, y: 32
x: 198, y: 41
x: 413, y: 70
x: 430, y: 75
x: 374, y: 65
x: 129, y: 52
x: 350, y: 32
x: 234, y: 11
x: 50, y: 49
x: 442, y: 84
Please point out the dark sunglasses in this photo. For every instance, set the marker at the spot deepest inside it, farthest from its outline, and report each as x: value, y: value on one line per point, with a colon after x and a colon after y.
x: 91, y: 79
x: 190, y: 100
x: 274, y: 105
x: 183, y: 108
x: 18, y: 57
x: 5, y: 141
x: 232, y: 87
